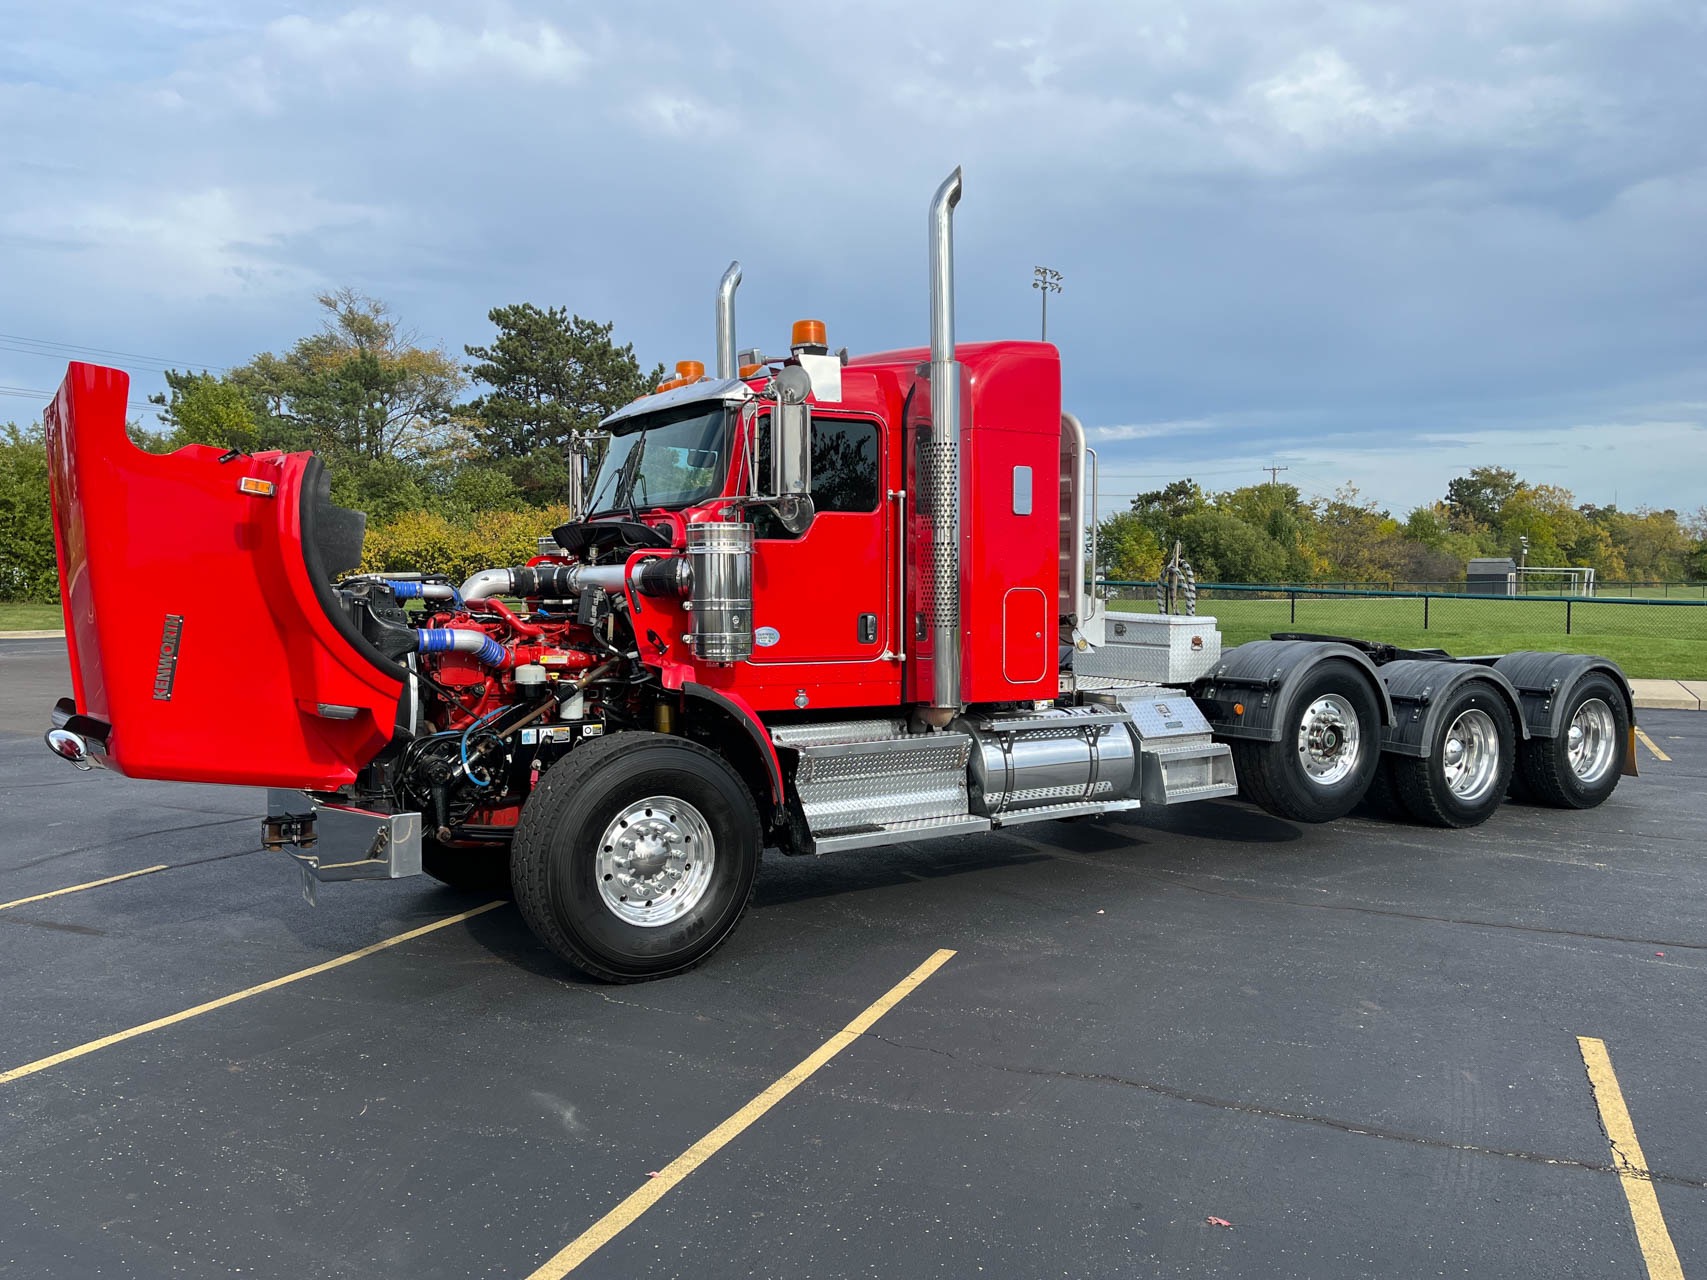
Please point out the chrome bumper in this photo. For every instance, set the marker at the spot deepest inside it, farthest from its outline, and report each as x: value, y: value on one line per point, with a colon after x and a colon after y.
x: 338, y: 842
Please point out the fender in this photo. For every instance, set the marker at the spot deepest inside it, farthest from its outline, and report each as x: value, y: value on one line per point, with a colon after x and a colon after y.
x: 1260, y: 676
x: 1420, y: 688
x: 736, y: 708
x: 1545, y: 682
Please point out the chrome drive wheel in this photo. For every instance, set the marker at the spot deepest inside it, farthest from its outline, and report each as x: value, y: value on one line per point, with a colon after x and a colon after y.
x: 1591, y: 741
x: 1329, y: 740
x: 1329, y: 745
x: 1462, y: 777
x: 1579, y: 766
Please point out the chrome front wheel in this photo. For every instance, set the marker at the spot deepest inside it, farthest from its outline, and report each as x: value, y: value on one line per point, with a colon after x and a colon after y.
x: 655, y: 861
x: 636, y: 855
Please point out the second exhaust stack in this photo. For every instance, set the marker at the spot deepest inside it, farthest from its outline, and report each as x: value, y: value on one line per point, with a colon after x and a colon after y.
x: 939, y: 458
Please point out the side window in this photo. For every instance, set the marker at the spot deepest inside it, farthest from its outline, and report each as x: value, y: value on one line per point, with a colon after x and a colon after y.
x: 844, y: 470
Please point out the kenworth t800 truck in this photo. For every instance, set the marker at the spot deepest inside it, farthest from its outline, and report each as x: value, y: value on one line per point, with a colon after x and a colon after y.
x: 814, y: 603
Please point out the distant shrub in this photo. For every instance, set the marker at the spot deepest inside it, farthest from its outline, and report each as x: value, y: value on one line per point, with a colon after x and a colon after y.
x: 27, y: 569
x: 423, y: 542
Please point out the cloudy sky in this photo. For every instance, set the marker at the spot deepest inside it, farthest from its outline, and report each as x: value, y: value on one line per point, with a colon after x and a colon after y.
x: 1377, y: 243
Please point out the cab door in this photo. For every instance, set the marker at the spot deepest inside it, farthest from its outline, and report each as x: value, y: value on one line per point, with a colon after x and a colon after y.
x: 823, y: 602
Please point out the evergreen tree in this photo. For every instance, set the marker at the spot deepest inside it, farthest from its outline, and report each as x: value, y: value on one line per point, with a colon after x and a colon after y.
x: 552, y: 377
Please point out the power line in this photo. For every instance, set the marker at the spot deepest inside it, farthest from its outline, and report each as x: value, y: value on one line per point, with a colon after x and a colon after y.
x: 61, y: 350
x: 30, y: 393
x: 1274, y: 473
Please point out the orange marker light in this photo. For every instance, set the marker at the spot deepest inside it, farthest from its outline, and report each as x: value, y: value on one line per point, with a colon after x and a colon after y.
x: 809, y: 333
x: 690, y: 370
x: 255, y: 485
x: 1238, y: 708
x: 751, y: 370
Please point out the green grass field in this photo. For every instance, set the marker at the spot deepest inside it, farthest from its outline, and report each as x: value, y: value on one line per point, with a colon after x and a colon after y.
x: 1647, y: 642
x: 1657, y: 642
x: 16, y: 616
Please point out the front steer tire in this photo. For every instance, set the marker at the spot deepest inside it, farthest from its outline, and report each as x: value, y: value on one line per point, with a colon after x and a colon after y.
x: 610, y: 866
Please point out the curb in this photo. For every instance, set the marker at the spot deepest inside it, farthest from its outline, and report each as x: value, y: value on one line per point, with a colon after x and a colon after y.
x: 32, y: 635
x: 1668, y: 695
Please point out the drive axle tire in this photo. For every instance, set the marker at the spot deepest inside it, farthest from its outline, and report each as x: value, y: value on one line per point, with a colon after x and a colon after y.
x: 636, y: 855
x: 1580, y: 767
x: 471, y: 868
x: 1329, y: 748
x: 1464, y: 776
x: 1383, y: 794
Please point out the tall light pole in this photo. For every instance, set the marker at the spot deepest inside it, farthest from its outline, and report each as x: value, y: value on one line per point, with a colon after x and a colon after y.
x: 1047, y: 281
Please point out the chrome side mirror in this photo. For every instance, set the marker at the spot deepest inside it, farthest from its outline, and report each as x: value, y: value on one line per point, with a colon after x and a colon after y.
x: 791, y: 448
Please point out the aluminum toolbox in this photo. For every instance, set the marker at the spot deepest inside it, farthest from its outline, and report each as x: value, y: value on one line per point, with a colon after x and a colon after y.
x: 1158, y: 647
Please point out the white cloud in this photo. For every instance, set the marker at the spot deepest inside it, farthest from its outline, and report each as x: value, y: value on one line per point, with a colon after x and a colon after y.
x: 1149, y: 430
x: 676, y: 115
x: 1281, y: 222
x: 367, y: 40
x: 194, y: 245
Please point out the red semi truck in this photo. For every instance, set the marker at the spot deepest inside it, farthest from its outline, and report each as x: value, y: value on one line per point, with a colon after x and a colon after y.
x: 813, y: 603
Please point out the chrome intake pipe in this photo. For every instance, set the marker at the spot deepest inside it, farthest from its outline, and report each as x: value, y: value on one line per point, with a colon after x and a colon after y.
x: 554, y: 581
x: 726, y: 358
x: 939, y: 458
x: 488, y: 582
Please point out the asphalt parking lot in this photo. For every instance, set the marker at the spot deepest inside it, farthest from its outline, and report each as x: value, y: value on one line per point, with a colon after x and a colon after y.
x: 1356, y: 1044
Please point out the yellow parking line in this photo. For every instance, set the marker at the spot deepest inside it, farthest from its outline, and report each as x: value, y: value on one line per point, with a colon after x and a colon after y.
x: 1649, y: 744
x: 606, y: 1228
x: 1651, y: 1234
x: 78, y: 888
x: 118, y: 1037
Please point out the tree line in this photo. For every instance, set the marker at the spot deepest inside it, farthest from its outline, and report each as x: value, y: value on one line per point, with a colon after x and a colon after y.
x: 439, y: 451
x: 458, y: 457
x: 1271, y: 533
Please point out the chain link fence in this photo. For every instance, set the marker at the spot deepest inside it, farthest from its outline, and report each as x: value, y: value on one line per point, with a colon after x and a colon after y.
x: 1649, y: 636
x: 1604, y: 588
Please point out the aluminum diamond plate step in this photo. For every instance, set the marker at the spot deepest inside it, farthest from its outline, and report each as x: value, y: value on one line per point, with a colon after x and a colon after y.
x: 901, y: 832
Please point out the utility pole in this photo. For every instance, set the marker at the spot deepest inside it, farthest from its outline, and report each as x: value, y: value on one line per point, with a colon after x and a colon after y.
x: 1047, y: 281
x: 1274, y: 473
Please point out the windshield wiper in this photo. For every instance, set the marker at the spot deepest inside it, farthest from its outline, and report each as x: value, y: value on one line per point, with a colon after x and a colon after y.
x: 635, y: 479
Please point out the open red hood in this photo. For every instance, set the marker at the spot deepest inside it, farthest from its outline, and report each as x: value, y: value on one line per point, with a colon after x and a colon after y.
x: 198, y: 612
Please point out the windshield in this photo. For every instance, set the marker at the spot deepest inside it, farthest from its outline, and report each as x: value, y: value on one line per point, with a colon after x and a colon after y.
x: 668, y: 459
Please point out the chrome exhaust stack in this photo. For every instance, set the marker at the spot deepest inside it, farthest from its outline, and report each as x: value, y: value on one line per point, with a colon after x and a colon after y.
x: 939, y: 459
x: 726, y: 366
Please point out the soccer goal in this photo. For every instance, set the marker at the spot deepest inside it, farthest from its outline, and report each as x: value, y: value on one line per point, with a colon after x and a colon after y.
x: 1555, y: 580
